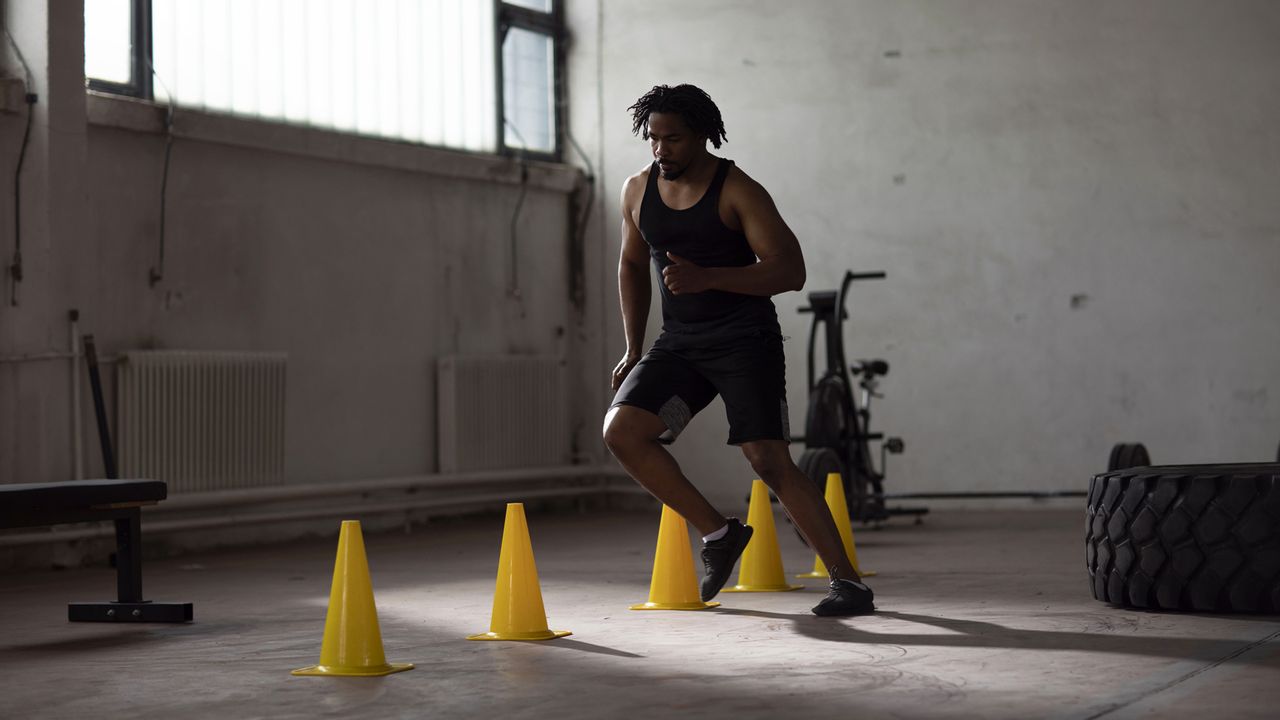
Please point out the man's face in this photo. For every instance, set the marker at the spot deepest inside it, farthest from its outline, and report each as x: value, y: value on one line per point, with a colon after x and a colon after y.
x: 674, y: 145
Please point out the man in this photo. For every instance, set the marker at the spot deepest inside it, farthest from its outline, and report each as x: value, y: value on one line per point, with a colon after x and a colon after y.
x: 722, y: 250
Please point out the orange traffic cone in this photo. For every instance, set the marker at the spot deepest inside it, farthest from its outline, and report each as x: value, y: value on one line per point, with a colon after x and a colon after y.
x: 840, y: 513
x: 674, y: 585
x: 761, y: 569
x: 517, y: 600
x: 352, y: 641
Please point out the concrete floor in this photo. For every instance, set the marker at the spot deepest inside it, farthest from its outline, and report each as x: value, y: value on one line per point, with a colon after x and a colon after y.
x: 983, y: 614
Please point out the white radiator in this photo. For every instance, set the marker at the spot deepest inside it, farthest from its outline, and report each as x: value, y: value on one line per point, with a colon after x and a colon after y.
x: 499, y: 412
x: 201, y: 420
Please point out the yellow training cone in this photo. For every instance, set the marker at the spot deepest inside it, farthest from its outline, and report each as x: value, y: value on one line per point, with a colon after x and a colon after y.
x: 352, y: 641
x: 840, y: 513
x: 761, y: 569
x: 674, y: 585
x: 517, y: 600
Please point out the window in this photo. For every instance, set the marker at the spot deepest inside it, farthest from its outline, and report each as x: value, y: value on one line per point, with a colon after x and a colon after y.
x: 116, y: 46
x: 530, y: 88
x: 465, y: 74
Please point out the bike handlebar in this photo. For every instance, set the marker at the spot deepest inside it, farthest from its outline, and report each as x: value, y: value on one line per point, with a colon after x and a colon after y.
x: 850, y: 276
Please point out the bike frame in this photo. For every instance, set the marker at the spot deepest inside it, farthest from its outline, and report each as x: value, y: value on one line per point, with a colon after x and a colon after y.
x: 829, y: 309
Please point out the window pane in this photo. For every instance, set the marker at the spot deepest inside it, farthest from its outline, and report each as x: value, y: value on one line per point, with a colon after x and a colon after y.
x: 527, y: 90
x: 416, y: 70
x: 108, y: 43
x: 539, y: 5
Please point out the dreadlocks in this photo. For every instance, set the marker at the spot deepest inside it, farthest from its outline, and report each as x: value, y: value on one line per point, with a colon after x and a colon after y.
x: 689, y: 102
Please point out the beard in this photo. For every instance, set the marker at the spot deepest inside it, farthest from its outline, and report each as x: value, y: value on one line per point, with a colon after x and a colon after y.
x: 675, y: 172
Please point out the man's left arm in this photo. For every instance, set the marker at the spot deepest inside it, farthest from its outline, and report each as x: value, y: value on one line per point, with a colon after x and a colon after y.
x: 781, y: 264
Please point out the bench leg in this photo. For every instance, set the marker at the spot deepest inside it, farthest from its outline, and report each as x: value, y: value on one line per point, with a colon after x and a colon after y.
x: 129, y: 557
x: 129, y: 606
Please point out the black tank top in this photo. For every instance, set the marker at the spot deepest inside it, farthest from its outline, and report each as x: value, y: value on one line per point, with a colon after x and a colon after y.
x: 700, y: 236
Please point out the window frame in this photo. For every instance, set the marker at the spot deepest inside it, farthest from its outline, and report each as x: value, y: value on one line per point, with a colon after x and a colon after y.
x: 506, y: 17
x: 141, y: 83
x: 550, y: 24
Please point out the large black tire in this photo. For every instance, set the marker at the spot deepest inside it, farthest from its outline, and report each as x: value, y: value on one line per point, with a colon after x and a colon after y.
x: 815, y: 463
x: 1186, y: 537
x: 1128, y: 455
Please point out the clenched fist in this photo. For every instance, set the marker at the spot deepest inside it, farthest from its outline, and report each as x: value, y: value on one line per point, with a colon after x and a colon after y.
x: 685, y: 278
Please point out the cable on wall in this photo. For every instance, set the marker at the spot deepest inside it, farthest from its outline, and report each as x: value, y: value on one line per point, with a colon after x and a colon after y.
x: 577, y: 280
x: 157, y: 271
x: 15, y: 267
x: 156, y: 274
x: 514, y: 286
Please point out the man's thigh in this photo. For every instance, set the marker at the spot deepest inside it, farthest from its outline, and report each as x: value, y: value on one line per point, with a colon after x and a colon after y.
x: 668, y: 386
x: 751, y: 378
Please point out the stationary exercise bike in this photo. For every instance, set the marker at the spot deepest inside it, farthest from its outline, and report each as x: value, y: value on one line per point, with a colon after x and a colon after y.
x: 837, y: 437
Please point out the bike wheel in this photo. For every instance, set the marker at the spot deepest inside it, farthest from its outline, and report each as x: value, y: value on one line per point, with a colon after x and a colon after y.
x: 865, y: 494
x: 826, y: 423
x: 816, y: 463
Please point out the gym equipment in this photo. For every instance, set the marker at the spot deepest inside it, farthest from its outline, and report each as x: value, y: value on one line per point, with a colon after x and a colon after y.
x: 1186, y: 537
x: 99, y: 407
x: 1128, y: 455
x: 518, y: 613
x: 120, y: 501
x: 352, y: 645
x: 760, y: 569
x: 41, y: 504
x: 837, y: 437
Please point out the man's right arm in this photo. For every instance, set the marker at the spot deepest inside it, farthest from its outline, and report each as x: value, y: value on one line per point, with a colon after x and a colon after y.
x: 634, y: 291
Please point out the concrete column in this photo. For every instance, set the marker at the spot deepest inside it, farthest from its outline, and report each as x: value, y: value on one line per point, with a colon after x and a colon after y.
x: 35, y: 396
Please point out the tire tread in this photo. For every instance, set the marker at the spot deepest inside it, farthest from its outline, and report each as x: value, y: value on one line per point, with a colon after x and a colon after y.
x: 1203, y: 538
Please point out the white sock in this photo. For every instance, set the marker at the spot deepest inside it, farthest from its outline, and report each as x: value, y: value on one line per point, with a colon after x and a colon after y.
x: 716, y: 535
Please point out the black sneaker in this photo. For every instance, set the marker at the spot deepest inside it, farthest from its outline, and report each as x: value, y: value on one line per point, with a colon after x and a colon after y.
x: 846, y: 598
x: 719, y: 557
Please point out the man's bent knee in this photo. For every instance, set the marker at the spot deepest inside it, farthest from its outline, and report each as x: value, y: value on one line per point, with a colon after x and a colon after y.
x: 769, y: 459
x: 627, y: 428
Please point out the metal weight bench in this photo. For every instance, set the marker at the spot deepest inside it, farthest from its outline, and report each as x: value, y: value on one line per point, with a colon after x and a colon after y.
x: 41, y: 504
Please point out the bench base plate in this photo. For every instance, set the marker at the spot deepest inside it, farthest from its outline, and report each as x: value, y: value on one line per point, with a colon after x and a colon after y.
x: 150, y: 612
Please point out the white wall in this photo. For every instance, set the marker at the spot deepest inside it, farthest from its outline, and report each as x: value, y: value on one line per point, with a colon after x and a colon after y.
x: 997, y: 158
x: 364, y: 260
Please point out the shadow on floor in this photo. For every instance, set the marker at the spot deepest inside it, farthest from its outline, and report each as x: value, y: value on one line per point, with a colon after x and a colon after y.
x: 979, y: 634
x: 589, y: 647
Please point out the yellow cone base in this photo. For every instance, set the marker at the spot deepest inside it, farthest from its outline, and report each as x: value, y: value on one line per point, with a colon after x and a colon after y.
x: 861, y: 573
x: 340, y: 671
x: 675, y: 606
x: 543, y: 635
x: 763, y: 588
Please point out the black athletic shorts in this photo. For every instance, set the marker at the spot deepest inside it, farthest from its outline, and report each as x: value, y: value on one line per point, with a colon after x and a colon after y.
x: 679, y: 376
